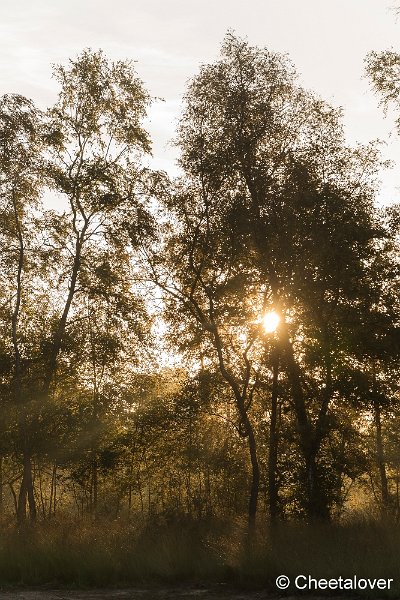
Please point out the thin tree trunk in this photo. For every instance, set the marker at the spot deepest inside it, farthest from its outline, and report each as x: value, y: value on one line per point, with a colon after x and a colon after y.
x: 139, y: 483
x: 380, y: 459
x: 26, y: 492
x: 51, y: 494
x: 255, y: 480
x: 273, y: 442
x: 240, y: 397
x: 60, y: 330
x: 26, y: 482
x: 14, y: 495
x: 94, y: 487
x: 130, y: 498
x: 42, y: 500
x: 55, y: 489
x: 1, y: 487
x: 209, y: 503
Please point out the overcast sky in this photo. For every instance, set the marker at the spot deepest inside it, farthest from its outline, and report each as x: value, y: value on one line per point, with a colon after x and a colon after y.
x: 326, y: 39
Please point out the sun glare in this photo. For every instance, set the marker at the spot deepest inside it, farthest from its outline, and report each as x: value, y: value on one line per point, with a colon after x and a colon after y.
x: 270, y: 321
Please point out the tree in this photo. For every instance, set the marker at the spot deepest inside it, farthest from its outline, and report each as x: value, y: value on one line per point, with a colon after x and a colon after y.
x: 296, y: 208
x: 87, y: 150
x: 97, y: 142
x: 20, y: 149
x: 383, y: 69
x: 198, y: 272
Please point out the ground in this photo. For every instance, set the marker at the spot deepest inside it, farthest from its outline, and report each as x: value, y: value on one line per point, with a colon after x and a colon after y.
x: 218, y: 593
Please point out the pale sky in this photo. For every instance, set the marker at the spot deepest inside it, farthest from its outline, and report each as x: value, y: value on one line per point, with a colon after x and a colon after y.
x: 327, y: 40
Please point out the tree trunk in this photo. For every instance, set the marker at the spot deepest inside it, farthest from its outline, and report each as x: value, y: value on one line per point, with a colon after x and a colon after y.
x: 240, y: 398
x: 1, y: 486
x: 380, y: 459
x: 94, y: 488
x: 60, y: 330
x: 255, y: 479
x: 273, y: 443
x: 316, y: 503
x: 53, y: 491
x: 310, y: 439
x: 14, y: 495
x: 26, y: 492
x: 42, y: 499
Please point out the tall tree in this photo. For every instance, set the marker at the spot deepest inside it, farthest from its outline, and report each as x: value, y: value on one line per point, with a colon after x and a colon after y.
x: 198, y: 270
x: 296, y: 206
x: 20, y: 184
x: 89, y: 148
x: 97, y: 143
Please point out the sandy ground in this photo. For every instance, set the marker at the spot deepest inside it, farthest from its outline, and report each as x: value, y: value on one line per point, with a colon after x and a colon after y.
x: 150, y: 594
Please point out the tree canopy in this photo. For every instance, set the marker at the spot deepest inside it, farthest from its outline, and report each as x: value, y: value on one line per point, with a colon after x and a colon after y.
x: 266, y: 270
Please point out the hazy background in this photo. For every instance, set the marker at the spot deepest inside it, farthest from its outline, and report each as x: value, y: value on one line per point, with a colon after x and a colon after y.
x: 326, y: 39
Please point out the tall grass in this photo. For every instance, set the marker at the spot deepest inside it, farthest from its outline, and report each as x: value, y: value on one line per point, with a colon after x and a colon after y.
x: 126, y: 553
x: 109, y: 553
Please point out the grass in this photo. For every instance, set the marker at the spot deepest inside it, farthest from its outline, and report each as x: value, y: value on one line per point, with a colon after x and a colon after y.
x: 103, y: 553
x: 84, y: 554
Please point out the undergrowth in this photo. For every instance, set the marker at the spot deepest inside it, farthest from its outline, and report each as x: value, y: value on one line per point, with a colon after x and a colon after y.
x: 121, y: 553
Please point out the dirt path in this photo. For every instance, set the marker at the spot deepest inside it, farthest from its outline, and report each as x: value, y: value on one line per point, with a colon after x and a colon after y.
x: 149, y: 594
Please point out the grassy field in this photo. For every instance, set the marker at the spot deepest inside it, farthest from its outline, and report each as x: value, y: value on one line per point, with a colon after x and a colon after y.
x: 122, y: 554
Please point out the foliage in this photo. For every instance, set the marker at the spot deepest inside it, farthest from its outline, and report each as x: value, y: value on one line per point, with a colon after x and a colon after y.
x: 134, y: 273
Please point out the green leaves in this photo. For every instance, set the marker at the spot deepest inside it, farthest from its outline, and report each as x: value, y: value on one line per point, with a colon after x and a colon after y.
x: 101, y: 99
x: 383, y: 68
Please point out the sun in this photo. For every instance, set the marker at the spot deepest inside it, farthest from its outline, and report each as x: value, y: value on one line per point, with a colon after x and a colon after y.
x: 270, y: 321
